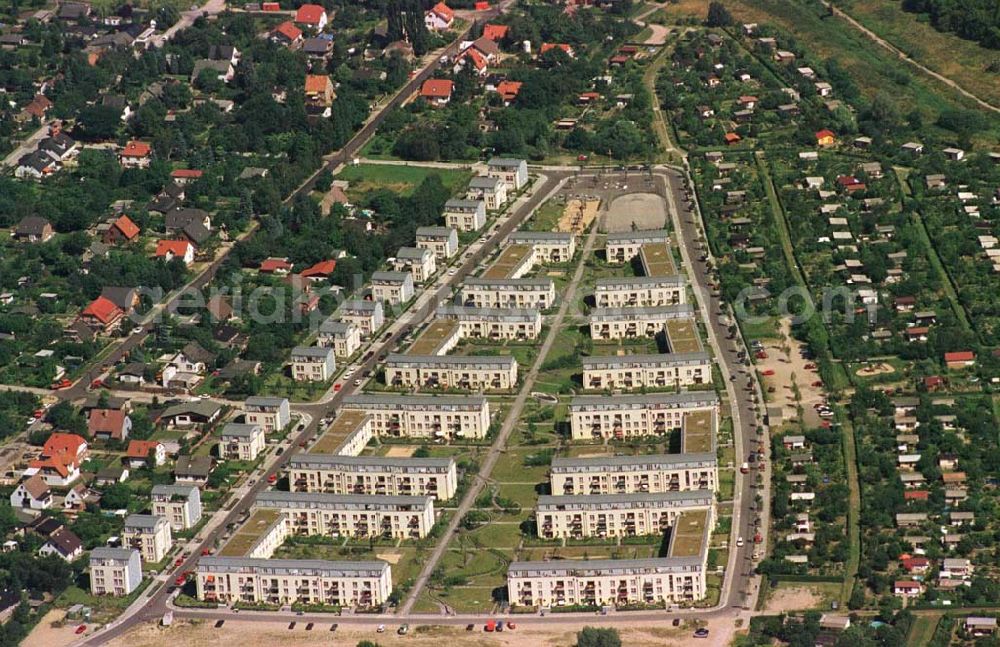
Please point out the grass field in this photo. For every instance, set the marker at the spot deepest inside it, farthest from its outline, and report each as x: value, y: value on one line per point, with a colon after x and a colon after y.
x: 397, y: 178
x: 922, y: 630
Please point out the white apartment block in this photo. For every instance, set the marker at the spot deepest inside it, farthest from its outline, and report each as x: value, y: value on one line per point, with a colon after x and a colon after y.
x: 381, y: 475
x: 494, y: 323
x: 513, y: 172
x: 418, y: 261
x: 491, y: 190
x: 179, y: 504
x: 272, y: 414
x: 286, y: 581
x: 343, y: 337
x: 472, y: 373
x: 646, y: 371
x: 633, y: 474
x: 539, y: 294
x: 465, y: 215
x: 626, y: 323
x: 369, y: 316
x: 549, y: 246
x: 600, y: 582
x: 148, y: 534
x: 423, y: 416
x: 639, y: 291
x: 351, y: 515
x: 393, y: 288
x: 622, y: 247
x: 313, y: 363
x: 241, y: 442
x: 348, y: 434
x: 615, y: 515
x: 627, y: 416
x: 443, y: 241
x: 114, y: 571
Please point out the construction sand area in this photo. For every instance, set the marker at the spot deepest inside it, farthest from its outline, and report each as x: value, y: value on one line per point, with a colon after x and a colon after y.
x: 577, y: 215
x: 400, y: 451
x: 636, y: 211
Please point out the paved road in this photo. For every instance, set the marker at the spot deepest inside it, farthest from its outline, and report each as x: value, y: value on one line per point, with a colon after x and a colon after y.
x: 27, y: 145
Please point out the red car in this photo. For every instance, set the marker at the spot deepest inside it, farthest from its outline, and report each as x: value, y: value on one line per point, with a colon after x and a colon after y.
x: 179, y: 581
x: 817, y: 383
x: 205, y: 551
x: 768, y: 372
x: 62, y: 384
x: 81, y: 629
x: 272, y: 479
x: 178, y: 561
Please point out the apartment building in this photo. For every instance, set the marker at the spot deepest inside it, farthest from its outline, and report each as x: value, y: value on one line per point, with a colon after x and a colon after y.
x: 623, y: 246
x: 438, y: 338
x: 351, y: 515
x: 616, y: 515
x: 423, y: 416
x: 472, y: 373
x: 179, y: 504
x: 513, y: 172
x: 465, y: 215
x: 344, y: 337
x: 393, y: 288
x: 272, y: 414
x: 418, y: 261
x: 148, y: 534
x: 633, y: 474
x: 494, y: 323
x: 114, y: 571
x: 539, y: 294
x: 627, y: 416
x: 491, y: 190
x: 313, y: 363
x: 287, y: 581
x: 381, y: 475
x: 646, y: 371
x: 241, y: 442
x: 626, y: 323
x: 513, y: 262
x: 443, y: 241
x: 639, y: 291
x: 548, y: 246
x: 368, y: 316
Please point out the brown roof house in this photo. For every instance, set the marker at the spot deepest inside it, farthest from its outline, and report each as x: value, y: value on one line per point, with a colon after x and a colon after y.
x: 34, y: 229
x: 109, y: 424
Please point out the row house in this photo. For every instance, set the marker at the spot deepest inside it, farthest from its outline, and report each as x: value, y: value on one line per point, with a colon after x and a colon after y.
x: 351, y: 515
x: 640, y: 291
x: 379, y: 475
x: 494, y: 323
x: 646, y: 371
x: 633, y: 474
x: 475, y: 373
x: 423, y: 416
x: 616, y: 515
x: 628, y: 416
x: 509, y: 293
x: 628, y: 323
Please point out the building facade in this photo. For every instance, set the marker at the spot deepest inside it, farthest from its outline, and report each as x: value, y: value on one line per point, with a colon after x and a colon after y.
x: 474, y: 373
x: 272, y: 414
x: 626, y: 323
x: 178, y: 504
x: 114, y: 571
x: 494, y: 323
x: 627, y: 416
x: 423, y: 416
x: 148, y: 534
x: 378, y: 475
x: 615, y: 515
x: 640, y: 291
x: 633, y: 474
x: 538, y: 294
x: 646, y: 371
x: 241, y: 442
x: 351, y: 515
x: 443, y: 241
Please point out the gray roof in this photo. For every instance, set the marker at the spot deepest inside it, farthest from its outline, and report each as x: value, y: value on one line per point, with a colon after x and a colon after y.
x: 391, y: 277
x: 473, y: 281
x: 106, y: 552
x: 32, y: 225
x: 414, y: 401
x: 485, y: 182
x: 175, y: 489
x: 335, y: 327
x: 437, y: 232
x: 264, y: 401
x: 460, y: 205
x: 204, y: 408
x: 313, y: 352
x: 641, y: 236
x: 706, y: 398
x: 281, y: 499
x: 407, y: 464
x: 456, y: 360
x: 240, y: 430
x: 506, y: 314
x: 664, y: 312
x: 359, y: 304
x: 614, y: 282
x: 636, y: 500
x: 662, y: 359
x: 545, y: 236
x: 583, y: 567
x: 413, y: 253
x: 297, y: 566
x: 144, y: 521
x: 662, y: 461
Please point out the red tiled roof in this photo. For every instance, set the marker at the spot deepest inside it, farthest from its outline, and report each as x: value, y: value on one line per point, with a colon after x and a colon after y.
x: 436, y: 89
x: 916, y: 495
x: 748, y: 98
x: 960, y: 356
x: 38, y: 106
x: 288, y: 30
x: 136, y: 148
x: 563, y: 46
x: 933, y: 380
x: 323, y: 268
x: 495, y: 32
x: 316, y: 83
x: 174, y: 247
x: 822, y: 134
x: 910, y: 563
x: 477, y: 59
x: 128, y: 228
x: 186, y: 173
x: 509, y: 89
x: 275, y: 264
x: 62, y: 443
x: 732, y: 138
x: 310, y: 14
x: 906, y: 584
x: 102, y: 309
x: 444, y: 11
x: 141, y: 448
x: 916, y: 331
x: 109, y: 421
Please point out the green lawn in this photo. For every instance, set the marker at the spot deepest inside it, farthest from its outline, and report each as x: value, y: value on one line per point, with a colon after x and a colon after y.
x: 397, y: 178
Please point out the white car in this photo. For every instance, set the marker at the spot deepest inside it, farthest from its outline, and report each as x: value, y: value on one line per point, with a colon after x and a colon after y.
x: 739, y: 542
x: 452, y: 272
x: 137, y: 330
x: 380, y: 629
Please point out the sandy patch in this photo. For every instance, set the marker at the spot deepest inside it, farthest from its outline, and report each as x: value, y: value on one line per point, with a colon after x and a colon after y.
x: 392, y: 558
x: 787, y: 367
x: 266, y: 634
x: 48, y: 633
x: 636, y: 211
x: 792, y: 599
x: 400, y: 451
x: 555, y: 273
x: 592, y: 455
x: 875, y: 369
x: 658, y: 35
x: 577, y: 215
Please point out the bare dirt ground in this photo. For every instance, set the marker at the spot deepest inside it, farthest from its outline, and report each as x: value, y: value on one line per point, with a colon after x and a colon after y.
x: 577, y: 215
x: 658, y: 36
x: 46, y: 634
x: 875, y: 369
x: 785, y: 360
x: 397, y: 451
x: 792, y: 599
x: 392, y: 558
x: 643, y: 210
x: 259, y: 634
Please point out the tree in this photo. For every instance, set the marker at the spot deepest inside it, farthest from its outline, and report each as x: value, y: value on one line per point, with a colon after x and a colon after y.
x: 116, y: 497
x: 718, y: 15
x: 598, y: 637
x: 96, y: 123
